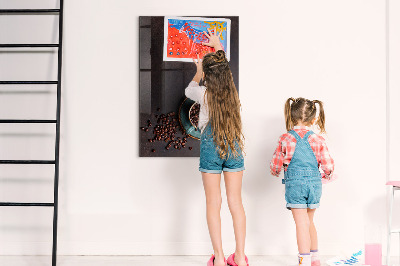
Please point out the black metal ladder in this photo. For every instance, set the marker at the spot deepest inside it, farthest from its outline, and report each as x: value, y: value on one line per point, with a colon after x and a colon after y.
x: 57, y: 82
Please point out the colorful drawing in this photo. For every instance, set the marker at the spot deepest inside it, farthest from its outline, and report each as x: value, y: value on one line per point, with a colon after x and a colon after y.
x: 183, y: 37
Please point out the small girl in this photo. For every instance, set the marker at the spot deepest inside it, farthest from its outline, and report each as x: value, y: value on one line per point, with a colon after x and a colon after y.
x: 302, y: 152
x: 221, y: 147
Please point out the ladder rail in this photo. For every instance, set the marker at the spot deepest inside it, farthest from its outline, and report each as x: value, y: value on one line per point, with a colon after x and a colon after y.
x: 57, y: 144
x: 57, y: 82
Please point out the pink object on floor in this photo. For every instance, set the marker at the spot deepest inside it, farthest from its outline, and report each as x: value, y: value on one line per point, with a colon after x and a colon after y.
x: 316, y: 263
x: 373, y: 254
x: 231, y: 260
x: 211, y: 260
x: 393, y: 183
x: 326, y: 181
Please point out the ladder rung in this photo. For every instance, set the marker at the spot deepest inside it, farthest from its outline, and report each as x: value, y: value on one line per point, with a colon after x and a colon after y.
x: 29, y: 82
x: 33, y: 45
x: 27, y: 161
x: 26, y: 121
x: 7, y: 11
x: 38, y: 204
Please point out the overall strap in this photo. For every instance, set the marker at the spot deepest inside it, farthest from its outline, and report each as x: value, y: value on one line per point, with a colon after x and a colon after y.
x: 294, y: 134
x: 309, y: 133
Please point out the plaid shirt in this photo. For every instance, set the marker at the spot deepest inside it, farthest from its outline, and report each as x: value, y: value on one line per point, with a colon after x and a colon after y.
x: 287, y: 144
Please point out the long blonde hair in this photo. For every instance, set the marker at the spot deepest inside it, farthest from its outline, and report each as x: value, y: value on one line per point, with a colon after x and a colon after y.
x: 223, y: 104
x: 303, y: 110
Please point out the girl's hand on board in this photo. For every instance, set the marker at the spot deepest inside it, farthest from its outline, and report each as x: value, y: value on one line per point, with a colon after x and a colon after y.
x: 199, y: 67
x: 199, y: 64
x: 213, y: 39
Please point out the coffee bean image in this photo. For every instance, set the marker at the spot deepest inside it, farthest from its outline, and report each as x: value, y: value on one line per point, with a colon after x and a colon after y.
x: 167, y: 128
x: 194, y: 114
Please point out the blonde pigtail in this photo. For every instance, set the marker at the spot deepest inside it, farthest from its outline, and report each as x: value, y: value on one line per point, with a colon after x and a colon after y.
x: 288, y: 114
x: 321, y: 116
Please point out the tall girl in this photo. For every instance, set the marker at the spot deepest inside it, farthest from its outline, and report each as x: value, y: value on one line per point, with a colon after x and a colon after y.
x: 221, y: 147
x: 302, y: 153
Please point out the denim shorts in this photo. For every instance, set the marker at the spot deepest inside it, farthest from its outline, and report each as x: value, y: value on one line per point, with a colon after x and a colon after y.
x: 303, y: 193
x: 211, y: 162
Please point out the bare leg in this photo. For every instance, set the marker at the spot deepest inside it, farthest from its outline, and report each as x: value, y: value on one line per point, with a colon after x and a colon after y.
x: 233, y: 183
x: 302, y: 221
x: 212, y: 188
x: 313, y: 230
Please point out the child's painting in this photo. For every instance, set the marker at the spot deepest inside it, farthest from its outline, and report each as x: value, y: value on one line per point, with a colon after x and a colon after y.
x: 183, y: 37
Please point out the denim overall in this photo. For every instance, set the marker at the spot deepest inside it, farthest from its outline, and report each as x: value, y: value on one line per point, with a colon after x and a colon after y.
x: 302, y: 181
x: 211, y: 162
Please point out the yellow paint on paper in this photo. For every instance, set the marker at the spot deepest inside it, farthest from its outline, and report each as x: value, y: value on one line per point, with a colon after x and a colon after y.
x: 219, y: 26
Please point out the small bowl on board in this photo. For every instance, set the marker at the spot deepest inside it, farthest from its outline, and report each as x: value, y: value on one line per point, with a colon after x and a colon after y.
x: 194, y: 113
x: 185, y: 121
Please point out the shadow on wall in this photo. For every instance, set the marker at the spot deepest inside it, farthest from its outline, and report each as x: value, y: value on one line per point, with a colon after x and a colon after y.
x: 375, y: 220
x: 186, y: 217
x: 259, y: 186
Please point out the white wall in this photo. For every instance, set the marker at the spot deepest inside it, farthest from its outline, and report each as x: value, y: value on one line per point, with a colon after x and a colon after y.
x: 113, y: 202
x: 394, y: 110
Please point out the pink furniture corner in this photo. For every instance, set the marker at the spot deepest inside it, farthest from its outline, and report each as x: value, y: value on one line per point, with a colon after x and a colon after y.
x: 394, y: 185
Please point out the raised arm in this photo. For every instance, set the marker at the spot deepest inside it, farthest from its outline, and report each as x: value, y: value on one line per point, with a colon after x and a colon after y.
x: 199, y: 72
x: 195, y: 92
x: 213, y: 39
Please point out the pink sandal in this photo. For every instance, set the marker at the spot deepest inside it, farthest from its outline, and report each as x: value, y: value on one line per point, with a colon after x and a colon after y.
x: 231, y: 260
x: 211, y: 261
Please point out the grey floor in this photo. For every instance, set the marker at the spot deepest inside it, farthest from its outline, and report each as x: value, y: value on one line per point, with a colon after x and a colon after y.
x: 135, y: 260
